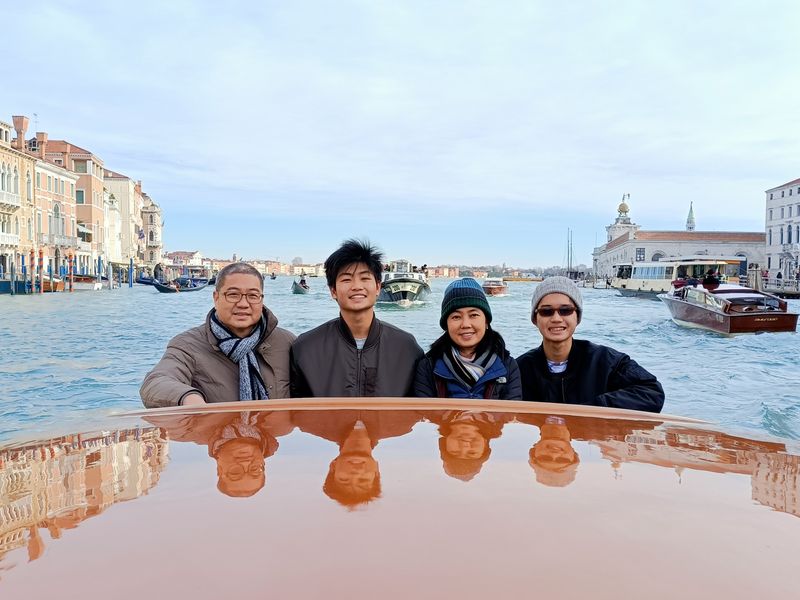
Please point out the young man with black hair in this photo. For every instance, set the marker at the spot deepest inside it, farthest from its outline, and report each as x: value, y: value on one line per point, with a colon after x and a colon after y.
x: 354, y: 354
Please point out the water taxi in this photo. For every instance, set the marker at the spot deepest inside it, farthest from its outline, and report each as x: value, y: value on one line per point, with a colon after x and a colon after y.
x: 728, y: 309
x: 425, y: 498
x: 403, y: 285
x: 494, y: 286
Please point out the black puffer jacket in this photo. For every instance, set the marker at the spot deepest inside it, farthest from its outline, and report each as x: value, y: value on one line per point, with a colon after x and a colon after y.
x: 325, y: 362
x: 595, y: 375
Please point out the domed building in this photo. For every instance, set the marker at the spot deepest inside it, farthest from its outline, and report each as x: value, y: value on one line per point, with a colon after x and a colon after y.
x: 628, y: 243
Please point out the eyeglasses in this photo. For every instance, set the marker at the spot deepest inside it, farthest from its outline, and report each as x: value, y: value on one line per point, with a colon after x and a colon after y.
x: 564, y: 311
x: 235, y: 297
x: 237, y: 471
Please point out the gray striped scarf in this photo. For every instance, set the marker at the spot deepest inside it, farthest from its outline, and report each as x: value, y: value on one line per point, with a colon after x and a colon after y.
x: 468, y: 372
x: 242, y: 352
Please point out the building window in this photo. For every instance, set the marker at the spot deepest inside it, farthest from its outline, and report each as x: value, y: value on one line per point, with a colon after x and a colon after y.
x: 769, y: 262
x: 79, y: 198
x: 790, y: 211
x: 790, y: 191
x: 788, y: 234
x: 29, y: 186
x: 49, y: 183
x: 770, y: 196
x: 639, y: 254
x: 770, y: 237
x: 783, y: 193
x: 151, y: 219
x: 782, y: 212
x: 79, y: 166
x: 770, y: 214
x: 38, y: 181
x: 781, y: 236
x: 152, y: 256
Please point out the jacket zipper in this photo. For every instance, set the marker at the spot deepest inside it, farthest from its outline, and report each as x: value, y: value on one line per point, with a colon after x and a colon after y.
x: 358, y: 372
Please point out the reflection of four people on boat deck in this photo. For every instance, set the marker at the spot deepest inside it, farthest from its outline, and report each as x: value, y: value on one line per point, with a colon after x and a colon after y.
x: 241, y: 442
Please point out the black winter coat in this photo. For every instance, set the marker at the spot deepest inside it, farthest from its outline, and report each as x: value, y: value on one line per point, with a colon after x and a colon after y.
x: 596, y: 375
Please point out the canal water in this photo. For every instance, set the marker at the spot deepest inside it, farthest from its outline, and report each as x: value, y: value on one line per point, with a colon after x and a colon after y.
x: 67, y: 359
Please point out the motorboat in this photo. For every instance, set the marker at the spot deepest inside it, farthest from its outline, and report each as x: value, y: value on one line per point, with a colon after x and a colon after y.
x: 554, y: 500
x: 494, y: 286
x: 649, y: 279
x: 402, y: 284
x: 728, y: 309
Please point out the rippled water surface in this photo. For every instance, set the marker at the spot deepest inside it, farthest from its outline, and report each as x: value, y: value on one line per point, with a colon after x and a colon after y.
x: 67, y: 358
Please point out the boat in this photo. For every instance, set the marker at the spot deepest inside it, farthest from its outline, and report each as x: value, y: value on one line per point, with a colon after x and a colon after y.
x: 300, y: 288
x: 649, y: 279
x: 403, y: 285
x: 273, y: 276
x: 565, y: 501
x: 178, y: 286
x: 494, y: 286
x: 728, y: 309
x: 144, y: 280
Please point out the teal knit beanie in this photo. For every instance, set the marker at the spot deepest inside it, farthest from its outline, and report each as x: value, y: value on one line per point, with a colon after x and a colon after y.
x: 461, y: 294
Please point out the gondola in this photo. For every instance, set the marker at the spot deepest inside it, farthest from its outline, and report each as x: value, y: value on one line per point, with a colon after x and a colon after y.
x: 299, y: 289
x: 166, y: 289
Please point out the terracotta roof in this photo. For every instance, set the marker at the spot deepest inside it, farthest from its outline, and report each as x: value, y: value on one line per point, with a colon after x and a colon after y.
x: 618, y: 241
x: 114, y: 175
x: 710, y: 236
x: 791, y: 183
x: 59, y: 146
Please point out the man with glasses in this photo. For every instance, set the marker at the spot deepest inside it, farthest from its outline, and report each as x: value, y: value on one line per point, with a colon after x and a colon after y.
x: 239, y: 353
x: 572, y: 371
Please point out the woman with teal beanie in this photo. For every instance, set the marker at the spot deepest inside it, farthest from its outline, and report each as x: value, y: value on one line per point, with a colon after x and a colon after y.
x: 470, y: 359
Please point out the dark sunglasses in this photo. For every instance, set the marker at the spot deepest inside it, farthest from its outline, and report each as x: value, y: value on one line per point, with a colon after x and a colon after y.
x: 564, y: 311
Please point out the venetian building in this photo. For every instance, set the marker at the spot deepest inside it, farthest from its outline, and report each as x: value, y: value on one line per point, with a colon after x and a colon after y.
x: 89, y: 199
x: 16, y: 197
x: 55, y: 217
x: 628, y: 243
x: 130, y: 201
x: 783, y: 229
x: 113, y: 231
x: 153, y: 228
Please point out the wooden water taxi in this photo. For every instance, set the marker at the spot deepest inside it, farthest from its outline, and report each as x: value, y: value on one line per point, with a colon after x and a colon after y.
x: 120, y: 505
x: 729, y: 309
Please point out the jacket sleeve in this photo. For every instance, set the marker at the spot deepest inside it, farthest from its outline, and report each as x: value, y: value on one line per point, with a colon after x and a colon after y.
x: 298, y: 384
x: 633, y: 387
x: 513, y: 389
x: 170, y: 380
x: 424, y: 384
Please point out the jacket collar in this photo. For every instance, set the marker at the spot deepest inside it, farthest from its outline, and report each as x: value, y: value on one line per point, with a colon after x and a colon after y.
x: 372, y: 336
x: 574, y: 360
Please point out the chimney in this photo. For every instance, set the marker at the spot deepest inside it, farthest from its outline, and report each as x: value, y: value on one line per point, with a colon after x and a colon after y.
x: 41, y: 143
x: 21, y: 126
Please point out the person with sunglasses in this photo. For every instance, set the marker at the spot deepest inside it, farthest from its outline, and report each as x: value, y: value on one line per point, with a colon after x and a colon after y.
x: 239, y: 353
x: 469, y: 360
x: 563, y: 369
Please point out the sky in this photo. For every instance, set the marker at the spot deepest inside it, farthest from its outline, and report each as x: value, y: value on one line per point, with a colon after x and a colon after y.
x: 446, y: 132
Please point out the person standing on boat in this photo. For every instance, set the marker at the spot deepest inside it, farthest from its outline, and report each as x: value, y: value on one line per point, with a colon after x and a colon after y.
x: 563, y: 369
x: 239, y: 353
x: 469, y: 360
x: 354, y: 354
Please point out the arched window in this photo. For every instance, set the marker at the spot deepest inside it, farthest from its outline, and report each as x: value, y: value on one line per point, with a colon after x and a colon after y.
x: 788, y: 234
x: 16, y: 181
x: 29, y: 186
x: 58, y: 220
x: 3, y: 178
x: 658, y: 256
x: 16, y: 225
x: 30, y: 229
x: 770, y: 238
x: 781, y: 235
x: 152, y: 256
x: 152, y: 237
x: 151, y: 219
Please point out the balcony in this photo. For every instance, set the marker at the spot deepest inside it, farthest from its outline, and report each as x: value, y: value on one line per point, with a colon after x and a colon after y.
x: 792, y: 248
x: 153, y: 243
x: 55, y: 239
x: 9, y: 202
x: 9, y: 239
x: 85, y: 246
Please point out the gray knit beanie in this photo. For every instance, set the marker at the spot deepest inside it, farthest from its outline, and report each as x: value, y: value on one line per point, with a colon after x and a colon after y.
x: 461, y: 294
x: 557, y: 285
